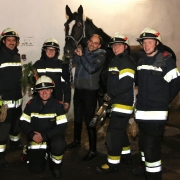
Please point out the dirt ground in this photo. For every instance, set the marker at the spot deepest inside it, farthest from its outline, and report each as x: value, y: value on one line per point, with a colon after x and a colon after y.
x: 174, y: 117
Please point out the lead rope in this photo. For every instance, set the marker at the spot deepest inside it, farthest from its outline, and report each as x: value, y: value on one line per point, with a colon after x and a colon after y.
x: 70, y: 71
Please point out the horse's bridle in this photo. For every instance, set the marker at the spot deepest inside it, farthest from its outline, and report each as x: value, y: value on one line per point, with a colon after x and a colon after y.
x: 83, y: 35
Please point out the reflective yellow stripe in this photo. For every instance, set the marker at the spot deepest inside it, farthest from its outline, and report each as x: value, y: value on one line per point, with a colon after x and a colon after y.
x: 1, y: 102
x: 33, y: 114
x: 126, y: 150
x: 153, y: 164
x: 142, y: 156
x: 126, y: 72
x: 25, y: 117
x: 14, y: 138
x: 122, y: 108
x: 10, y: 64
x: 56, y: 159
x: 149, y: 67
x: 61, y: 119
x: 12, y: 104
x: 151, y: 115
x: 113, y: 69
x: 114, y: 159
x: 34, y: 145
x: 2, y: 147
x: 174, y: 73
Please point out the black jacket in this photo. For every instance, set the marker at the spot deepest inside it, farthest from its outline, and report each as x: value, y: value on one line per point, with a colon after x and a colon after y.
x: 88, y: 68
x: 120, y: 83
x: 58, y: 72
x: 10, y: 74
x: 158, y: 84
x: 48, y: 119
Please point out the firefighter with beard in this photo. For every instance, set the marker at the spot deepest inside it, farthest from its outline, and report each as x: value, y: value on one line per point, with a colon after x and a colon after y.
x: 120, y: 91
x: 158, y: 84
x: 44, y: 122
x: 10, y: 92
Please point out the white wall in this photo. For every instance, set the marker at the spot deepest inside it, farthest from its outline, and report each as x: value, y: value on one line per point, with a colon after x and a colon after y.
x: 41, y: 19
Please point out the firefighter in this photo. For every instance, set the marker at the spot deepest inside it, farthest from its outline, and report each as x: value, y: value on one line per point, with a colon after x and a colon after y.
x: 51, y: 66
x: 10, y: 91
x: 158, y: 84
x: 120, y: 90
x: 44, y: 122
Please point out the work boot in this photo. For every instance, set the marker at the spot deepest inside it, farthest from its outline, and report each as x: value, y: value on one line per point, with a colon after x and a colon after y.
x: 74, y: 144
x: 4, y: 164
x: 105, y: 169
x: 89, y: 156
x: 126, y: 161
x: 16, y: 145
x: 56, y: 173
x: 138, y: 171
x: 77, y: 136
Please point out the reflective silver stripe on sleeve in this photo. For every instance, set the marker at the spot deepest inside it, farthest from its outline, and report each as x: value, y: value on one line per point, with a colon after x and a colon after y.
x: 10, y: 64
x: 174, y: 73
x: 61, y: 119
x: 25, y: 117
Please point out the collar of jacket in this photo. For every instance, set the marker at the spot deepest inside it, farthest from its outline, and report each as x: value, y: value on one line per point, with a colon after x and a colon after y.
x: 97, y: 51
x: 7, y: 51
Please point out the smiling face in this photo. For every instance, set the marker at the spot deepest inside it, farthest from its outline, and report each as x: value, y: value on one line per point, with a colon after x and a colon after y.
x: 94, y: 43
x: 45, y: 94
x: 10, y: 42
x: 118, y: 48
x: 149, y: 46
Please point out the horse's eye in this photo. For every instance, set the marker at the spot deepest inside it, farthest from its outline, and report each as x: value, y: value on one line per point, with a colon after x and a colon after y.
x: 79, y: 24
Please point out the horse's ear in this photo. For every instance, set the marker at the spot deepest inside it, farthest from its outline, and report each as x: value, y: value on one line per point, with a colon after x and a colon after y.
x: 68, y: 11
x: 80, y: 10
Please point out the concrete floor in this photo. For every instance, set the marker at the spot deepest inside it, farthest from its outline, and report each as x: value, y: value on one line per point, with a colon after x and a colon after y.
x: 74, y: 169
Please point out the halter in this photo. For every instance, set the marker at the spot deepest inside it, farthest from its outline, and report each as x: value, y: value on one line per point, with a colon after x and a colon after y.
x: 83, y: 35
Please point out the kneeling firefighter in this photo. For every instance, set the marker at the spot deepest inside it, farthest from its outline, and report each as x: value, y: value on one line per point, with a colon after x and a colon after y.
x: 44, y: 122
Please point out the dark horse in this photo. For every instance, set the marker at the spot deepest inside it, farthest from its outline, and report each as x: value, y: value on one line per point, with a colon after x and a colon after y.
x: 81, y: 32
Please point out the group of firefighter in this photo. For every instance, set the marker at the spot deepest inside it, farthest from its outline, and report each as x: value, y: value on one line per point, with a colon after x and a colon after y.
x: 44, y: 121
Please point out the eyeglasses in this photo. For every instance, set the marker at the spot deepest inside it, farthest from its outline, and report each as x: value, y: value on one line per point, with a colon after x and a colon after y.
x: 51, y: 49
x: 94, y: 43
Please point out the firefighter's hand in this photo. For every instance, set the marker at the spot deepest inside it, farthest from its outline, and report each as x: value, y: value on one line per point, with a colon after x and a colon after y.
x: 66, y: 106
x: 37, y: 137
x: 106, y: 98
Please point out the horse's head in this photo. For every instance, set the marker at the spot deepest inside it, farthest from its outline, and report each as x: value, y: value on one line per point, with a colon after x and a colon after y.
x: 77, y: 32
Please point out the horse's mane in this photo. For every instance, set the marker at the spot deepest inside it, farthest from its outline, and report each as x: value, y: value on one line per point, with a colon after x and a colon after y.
x: 95, y: 30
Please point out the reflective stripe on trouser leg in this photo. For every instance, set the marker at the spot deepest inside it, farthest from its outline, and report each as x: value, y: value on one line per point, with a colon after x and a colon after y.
x: 56, y: 159
x: 142, y: 156
x: 126, y: 150
x: 2, y: 148
x: 153, y: 167
x: 14, y: 138
x: 114, y: 159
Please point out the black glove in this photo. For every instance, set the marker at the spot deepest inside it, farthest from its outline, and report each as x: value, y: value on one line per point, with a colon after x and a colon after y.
x: 106, y: 98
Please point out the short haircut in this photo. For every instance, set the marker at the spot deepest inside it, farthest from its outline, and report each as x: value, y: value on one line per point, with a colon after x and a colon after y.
x: 98, y: 36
